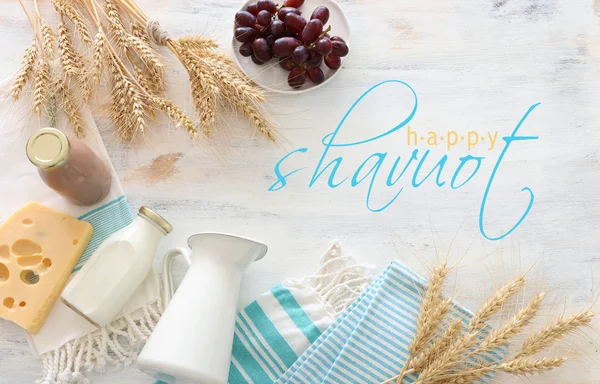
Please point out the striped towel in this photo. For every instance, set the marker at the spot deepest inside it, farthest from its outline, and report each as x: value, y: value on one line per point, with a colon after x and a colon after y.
x: 368, y: 343
x: 281, y: 324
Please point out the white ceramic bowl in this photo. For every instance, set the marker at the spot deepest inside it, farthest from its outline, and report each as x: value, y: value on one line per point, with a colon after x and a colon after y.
x: 274, y: 78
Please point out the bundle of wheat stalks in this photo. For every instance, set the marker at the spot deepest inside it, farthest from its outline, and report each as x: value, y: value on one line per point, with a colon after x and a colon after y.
x: 114, y: 39
x: 448, y: 352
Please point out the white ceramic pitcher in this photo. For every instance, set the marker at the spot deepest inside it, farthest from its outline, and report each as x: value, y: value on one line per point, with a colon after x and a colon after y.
x: 193, y: 340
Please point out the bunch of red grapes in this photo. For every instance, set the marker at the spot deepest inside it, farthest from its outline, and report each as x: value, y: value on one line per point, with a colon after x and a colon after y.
x: 266, y: 30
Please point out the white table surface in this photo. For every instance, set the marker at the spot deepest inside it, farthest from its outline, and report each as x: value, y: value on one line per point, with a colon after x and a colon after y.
x: 476, y: 66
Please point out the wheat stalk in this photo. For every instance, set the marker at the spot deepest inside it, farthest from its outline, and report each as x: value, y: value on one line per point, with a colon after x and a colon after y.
x: 48, y: 41
x: 65, y: 9
x: 71, y: 61
x: 71, y: 109
x: 555, y: 331
x: 40, y: 85
x: 496, y: 303
x: 27, y: 66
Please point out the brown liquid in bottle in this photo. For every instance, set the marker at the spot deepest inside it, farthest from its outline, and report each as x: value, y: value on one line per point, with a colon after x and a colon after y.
x: 69, y: 166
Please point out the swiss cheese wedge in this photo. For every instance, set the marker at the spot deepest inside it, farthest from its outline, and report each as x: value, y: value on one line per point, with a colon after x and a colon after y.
x: 39, y: 248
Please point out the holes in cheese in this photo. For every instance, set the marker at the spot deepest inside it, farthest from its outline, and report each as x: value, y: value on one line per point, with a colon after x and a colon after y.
x: 4, y: 252
x: 4, y: 273
x: 29, y: 261
x: 37, y: 255
x: 8, y: 302
x: 29, y: 277
x: 25, y: 247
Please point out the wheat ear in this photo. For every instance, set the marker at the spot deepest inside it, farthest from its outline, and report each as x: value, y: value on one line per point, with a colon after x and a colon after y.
x: 65, y: 9
x: 554, y: 332
x: 40, y: 86
x: 199, y: 43
x: 430, y: 315
x: 95, y: 71
x: 139, y: 31
x: 528, y: 367
x: 48, y: 41
x: 71, y: 110
x: 69, y: 58
x: 204, y: 89
x: 27, y: 66
x: 128, y: 105
x: 496, y: 303
x: 117, y: 27
x: 237, y: 92
x: 176, y: 114
x: 448, y: 359
x: 502, y: 335
x: 439, y: 346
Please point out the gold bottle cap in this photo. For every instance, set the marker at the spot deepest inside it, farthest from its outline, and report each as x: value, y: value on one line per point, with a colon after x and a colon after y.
x: 155, y: 218
x: 48, y: 148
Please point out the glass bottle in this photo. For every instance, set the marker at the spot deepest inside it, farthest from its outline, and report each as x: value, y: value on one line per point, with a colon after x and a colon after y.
x: 69, y: 166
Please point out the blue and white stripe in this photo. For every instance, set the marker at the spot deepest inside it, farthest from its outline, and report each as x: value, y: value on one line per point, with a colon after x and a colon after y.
x: 105, y: 220
x: 369, y: 342
x: 272, y: 331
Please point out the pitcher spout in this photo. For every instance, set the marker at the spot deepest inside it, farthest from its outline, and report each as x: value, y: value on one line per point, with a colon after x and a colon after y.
x: 233, y: 249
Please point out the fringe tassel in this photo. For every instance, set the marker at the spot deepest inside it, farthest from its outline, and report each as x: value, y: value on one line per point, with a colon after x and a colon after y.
x: 338, y: 280
x: 112, y: 347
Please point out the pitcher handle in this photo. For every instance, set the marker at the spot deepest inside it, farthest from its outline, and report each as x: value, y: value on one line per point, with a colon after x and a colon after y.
x: 167, y: 273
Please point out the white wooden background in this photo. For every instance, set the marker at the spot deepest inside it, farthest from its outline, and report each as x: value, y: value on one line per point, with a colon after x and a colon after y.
x: 476, y: 65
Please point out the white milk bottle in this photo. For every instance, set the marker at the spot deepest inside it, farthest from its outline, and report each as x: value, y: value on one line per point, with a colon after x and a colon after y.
x: 109, y: 278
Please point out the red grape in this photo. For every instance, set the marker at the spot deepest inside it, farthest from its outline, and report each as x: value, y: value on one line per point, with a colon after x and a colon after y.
x: 253, y: 9
x: 256, y: 61
x: 287, y: 63
x: 245, y: 34
x: 315, y: 60
x: 337, y: 38
x: 297, y: 77
x: 270, y: 40
x: 333, y: 61
x: 300, y: 54
x: 246, y: 49
x: 311, y: 31
x: 315, y: 75
x: 285, y: 46
x: 290, y: 33
x: 323, y: 46
x: 295, y: 22
x: 277, y: 28
x: 264, y: 18
x: 285, y: 10
x: 262, y: 50
x: 293, y: 3
x: 245, y: 19
x: 267, y: 5
x: 339, y: 48
x: 321, y: 13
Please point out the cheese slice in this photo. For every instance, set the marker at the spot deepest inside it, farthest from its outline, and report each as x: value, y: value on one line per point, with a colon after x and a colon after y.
x: 39, y: 248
